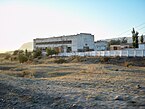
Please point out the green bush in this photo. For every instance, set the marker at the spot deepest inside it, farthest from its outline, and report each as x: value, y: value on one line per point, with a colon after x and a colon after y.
x: 22, y: 58
x: 51, y: 52
x: 17, y: 52
x: 37, y: 53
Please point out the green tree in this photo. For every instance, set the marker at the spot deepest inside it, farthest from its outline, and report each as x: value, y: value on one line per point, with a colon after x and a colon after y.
x: 141, y: 39
x: 17, y: 52
x: 48, y: 52
x: 124, y: 40
x: 26, y: 52
x: 135, y: 38
x: 114, y: 42
x: 37, y: 53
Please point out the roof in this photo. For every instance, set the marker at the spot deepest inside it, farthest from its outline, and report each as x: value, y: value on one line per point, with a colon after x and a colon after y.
x: 63, y: 36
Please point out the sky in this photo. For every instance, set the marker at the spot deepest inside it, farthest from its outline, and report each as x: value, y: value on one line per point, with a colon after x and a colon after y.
x: 22, y: 21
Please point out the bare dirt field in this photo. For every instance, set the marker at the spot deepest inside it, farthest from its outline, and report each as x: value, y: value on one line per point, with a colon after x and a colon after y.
x: 73, y: 85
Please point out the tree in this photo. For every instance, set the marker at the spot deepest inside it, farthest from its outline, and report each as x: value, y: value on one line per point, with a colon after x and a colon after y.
x: 114, y: 42
x: 135, y: 38
x: 141, y: 39
x: 37, y: 53
x: 26, y: 52
x: 50, y: 52
x: 124, y: 40
x: 17, y: 52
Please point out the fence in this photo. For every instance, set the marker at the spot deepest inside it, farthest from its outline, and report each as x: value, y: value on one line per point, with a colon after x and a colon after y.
x: 121, y: 53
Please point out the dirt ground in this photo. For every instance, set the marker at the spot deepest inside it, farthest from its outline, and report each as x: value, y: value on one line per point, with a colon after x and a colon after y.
x: 77, y: 85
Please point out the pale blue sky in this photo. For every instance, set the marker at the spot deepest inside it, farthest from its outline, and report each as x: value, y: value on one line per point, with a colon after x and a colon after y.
x: 23, y: 20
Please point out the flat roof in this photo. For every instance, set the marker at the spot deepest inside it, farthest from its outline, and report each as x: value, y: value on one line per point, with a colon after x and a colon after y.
x: 64, y: 36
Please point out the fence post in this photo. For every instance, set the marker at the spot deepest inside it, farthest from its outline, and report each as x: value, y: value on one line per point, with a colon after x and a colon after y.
x: 120, y: 53
x: 134, y: 53
x: 127, y: 53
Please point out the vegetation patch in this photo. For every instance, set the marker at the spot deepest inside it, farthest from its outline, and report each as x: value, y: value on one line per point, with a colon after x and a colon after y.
x: 60, y: 61
x: 127, y: 64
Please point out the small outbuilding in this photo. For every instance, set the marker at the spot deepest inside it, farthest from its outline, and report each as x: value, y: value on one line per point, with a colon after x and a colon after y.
x: 118, y: 47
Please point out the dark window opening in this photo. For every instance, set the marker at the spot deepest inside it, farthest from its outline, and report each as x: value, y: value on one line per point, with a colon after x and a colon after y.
x: 55, y: 42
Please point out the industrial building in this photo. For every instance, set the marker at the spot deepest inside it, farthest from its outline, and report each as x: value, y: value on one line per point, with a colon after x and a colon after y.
x: 101, y: 45
x: 71, y: 43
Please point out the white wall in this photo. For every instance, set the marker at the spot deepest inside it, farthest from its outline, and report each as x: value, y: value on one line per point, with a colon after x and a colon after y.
x: 121, y: 53
x: 141, y: 46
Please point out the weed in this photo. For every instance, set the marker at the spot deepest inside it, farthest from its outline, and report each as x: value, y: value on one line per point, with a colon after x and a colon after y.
x: 77, y: 58
x: 27, y: 74
x: 60, y: 61
x: 104, y: 59
x: 127, y: 64
x: 93, y: 68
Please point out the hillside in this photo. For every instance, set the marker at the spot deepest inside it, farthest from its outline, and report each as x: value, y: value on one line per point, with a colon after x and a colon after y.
x: 28, y: 46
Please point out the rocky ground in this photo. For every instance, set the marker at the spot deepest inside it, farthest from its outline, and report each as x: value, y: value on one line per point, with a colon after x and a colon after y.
x: 71, y: 86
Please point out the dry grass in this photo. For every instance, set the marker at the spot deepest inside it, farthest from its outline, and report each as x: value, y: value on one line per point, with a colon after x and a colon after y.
x: 89, y: 82
x: 94, y: 68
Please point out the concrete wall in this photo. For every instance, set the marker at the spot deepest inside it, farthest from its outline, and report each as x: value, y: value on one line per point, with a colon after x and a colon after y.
x: 141, y: 46
x: 121, y: 53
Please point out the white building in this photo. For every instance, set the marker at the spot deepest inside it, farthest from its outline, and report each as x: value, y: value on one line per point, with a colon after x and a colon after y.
x: 141, y: 46
x: 101, y: 45
x: 71, y: 43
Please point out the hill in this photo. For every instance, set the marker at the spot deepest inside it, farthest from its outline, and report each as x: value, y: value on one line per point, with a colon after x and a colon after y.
x: 27, y: 46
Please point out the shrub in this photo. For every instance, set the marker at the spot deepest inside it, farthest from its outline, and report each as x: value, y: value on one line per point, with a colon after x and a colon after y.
x: 37, y: 53
x: 127, y: 64
x: 27, y: 74
x: 117, y: 57
x: 8, y: 56
x: 16, y: 52
x: 60, y: 61
x: 51, y: 52
x: 14, y: 58
x: 104, y: 59
x: 77, y: 58
x: 22, y: 58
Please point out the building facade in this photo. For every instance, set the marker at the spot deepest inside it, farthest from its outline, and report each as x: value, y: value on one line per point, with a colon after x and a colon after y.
x: 71, y: 43
x: 101, y: 45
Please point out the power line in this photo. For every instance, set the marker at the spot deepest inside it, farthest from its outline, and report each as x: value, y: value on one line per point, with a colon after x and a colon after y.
x: 140, y: 25
x: 141, y: 28
x: 130, y: 29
